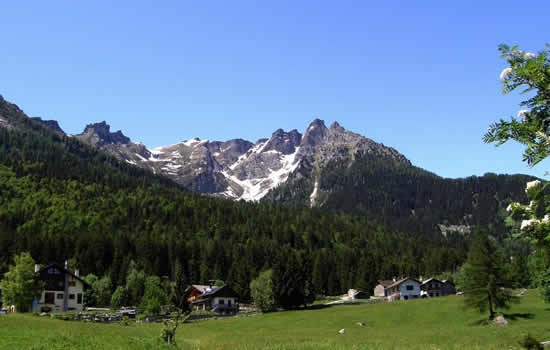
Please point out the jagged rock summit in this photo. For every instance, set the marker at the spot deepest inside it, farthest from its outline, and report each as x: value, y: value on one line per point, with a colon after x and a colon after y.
x: 237, y: 168
x: 99, y: 134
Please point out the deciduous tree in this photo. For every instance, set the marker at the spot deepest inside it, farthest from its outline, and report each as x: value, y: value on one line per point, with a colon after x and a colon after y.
x: 261, y: 290
x: 19, y: 285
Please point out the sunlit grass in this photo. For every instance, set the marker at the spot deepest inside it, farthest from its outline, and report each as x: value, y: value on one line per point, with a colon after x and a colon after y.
x: 420, y: 324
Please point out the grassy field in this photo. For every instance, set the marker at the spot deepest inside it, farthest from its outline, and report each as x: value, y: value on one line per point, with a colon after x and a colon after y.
x: 419, y: 324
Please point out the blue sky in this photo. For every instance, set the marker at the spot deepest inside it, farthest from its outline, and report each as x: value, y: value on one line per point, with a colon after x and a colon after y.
x: 420, y: 76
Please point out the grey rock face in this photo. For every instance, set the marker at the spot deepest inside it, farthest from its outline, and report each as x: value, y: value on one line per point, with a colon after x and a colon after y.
x: 315, y: 134
x: 99, y: 134
x: 238, y: 168
x: 283, y: 142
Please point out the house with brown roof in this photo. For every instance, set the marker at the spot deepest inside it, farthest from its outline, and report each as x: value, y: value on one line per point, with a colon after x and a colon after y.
x: 220, y: 299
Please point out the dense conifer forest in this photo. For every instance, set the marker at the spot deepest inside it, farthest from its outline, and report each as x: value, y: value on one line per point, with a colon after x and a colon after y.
x: 407, y: 198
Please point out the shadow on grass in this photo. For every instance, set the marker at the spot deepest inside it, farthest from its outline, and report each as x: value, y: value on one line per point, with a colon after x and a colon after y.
x: 482, y: 322
x: 317, y: 307
x: 509, y: 317
x: 515, y: 316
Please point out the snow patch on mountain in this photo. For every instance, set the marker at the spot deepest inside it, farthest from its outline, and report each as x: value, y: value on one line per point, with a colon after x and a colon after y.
x: 194, y: 142
x: 237, y: 168
x: 256, y: 188
x: 313, y: 195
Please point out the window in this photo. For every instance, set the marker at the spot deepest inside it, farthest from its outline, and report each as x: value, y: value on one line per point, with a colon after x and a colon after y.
x: 79, y: 298
x: 71, y: 296
x: 59, y: 295
x: 229, y: 302
x: 72, y: 283
x: 53, y: 271
x: 221, y: 301
x: 49, y: 298
x: 410, y: 287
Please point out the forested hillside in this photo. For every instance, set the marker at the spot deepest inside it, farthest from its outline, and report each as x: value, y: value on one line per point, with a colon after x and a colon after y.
x: 60, y: 199
x: 408, y: 198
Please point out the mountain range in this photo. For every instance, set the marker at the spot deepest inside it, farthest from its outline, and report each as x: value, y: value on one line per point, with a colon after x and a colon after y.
x: 332, y: 168
x: 237, y: 168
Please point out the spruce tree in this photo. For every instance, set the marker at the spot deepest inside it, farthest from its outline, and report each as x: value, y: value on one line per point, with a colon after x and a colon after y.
x: 486, y: 286
x: 179, y: 295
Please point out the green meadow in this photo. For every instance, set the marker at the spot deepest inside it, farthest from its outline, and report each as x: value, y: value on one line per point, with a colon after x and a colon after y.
x: 419, y: 324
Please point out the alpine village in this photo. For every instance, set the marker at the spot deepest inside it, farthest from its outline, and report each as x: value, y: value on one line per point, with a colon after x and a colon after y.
x: 314, y: 237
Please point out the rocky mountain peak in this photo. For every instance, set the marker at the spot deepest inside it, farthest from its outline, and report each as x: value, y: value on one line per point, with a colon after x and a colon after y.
x: 335, y: 126
x: 51, y: 124
x: 100, y: 133
x: 314, y: 134
x: 283, y: 142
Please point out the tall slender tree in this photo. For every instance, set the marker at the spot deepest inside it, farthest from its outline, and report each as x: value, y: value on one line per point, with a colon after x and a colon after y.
x: 486, y: 286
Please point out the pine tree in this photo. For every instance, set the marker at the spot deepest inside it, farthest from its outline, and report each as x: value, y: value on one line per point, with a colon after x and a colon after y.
x: 179, y: 296
x: 486, y: 285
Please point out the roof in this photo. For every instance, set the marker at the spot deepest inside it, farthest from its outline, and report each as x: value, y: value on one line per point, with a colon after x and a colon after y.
x: 385, y: 283
x: 225, y: 289
x: 431, y: 279
x: 215, y: 291
x: 449, y: 282
x: 201, y: 288
x: 395, y: 284
x: 86, y: 284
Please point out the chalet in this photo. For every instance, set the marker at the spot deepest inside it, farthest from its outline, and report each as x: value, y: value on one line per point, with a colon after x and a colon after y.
x: 404, y: 289
x: 380, y: 289
x: 448, y: 288
x: 63, y: 290
x: 432, y: 288
x: 221, y: 299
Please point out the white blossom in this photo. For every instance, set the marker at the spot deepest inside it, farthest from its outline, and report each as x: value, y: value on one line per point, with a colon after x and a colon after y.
x: 546, y: 218
x: 522, y: 112
x: 527, y: 223
x: 543, y: 137
x: 533, y: 183
x: 509, y: 207
x: 528, y: 55
x: 505, y: 72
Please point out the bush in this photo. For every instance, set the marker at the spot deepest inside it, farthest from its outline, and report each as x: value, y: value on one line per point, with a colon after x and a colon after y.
x: 261, y: 290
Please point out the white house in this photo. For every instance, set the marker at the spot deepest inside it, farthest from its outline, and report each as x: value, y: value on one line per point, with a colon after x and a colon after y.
x: 404, y: 289
x: 221, y: 299
x: 380, y: 289
x: 63, y: 290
